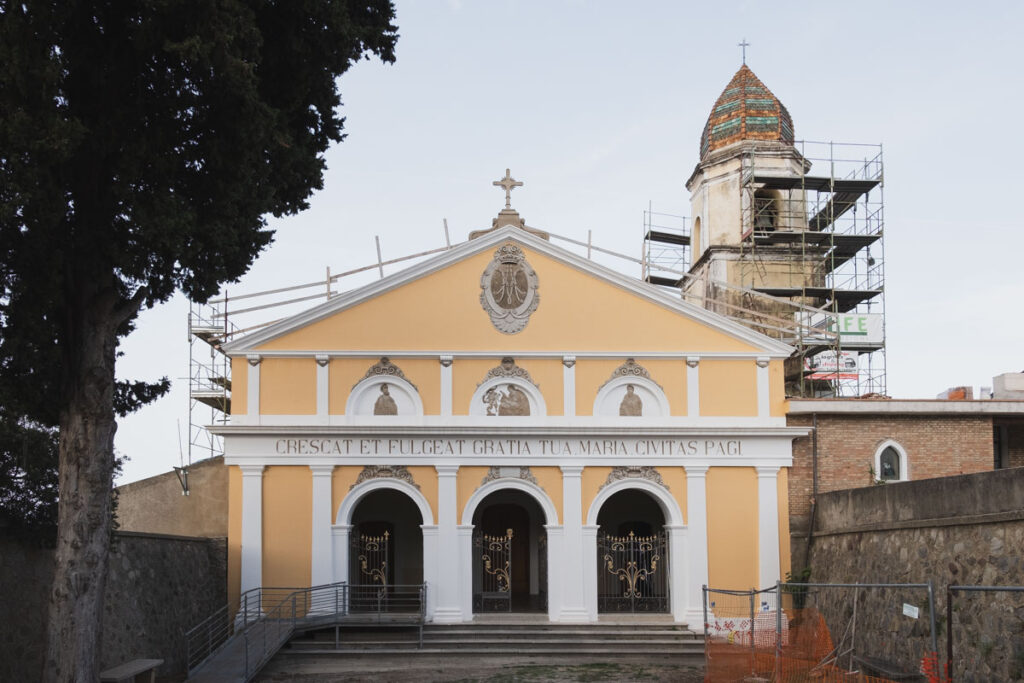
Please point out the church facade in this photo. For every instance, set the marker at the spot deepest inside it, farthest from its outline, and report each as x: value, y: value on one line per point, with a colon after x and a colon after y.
x: 517, y: 427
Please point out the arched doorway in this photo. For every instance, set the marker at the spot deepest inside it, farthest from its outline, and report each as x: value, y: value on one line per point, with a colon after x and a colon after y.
x: 385, y: 548
x: 509, y: 554
x: 632, y: 555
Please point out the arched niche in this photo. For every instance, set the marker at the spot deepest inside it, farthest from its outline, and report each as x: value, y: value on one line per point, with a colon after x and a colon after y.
x: 507, y: 391
x: 384, y: 381
x: 630, y: 392
x: 891, y: 462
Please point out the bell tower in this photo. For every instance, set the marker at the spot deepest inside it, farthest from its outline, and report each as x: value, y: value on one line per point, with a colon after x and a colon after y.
x: 748, y: 138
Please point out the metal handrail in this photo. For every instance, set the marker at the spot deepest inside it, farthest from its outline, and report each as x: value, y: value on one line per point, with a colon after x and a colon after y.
x: 263, y: 628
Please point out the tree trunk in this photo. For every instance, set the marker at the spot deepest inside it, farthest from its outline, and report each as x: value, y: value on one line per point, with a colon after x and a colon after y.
x: 87, y: 427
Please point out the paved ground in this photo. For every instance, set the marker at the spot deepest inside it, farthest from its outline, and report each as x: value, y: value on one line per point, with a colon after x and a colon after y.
x: 473, y: 670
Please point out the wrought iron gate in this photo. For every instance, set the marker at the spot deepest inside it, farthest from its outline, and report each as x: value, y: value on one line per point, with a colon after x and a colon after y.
x: 371, y: 573
x: 495, y: 556
x: 632, y: 573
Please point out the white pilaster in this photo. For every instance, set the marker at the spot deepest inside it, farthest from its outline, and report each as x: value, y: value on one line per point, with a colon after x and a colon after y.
x: 768, y: 525
x: 677, y: 571
x: 449, y: 578
x: 763, y: 388
x: 446, y: 385
x: 252, y: 395
x: 696, y: 544
x: 430, y: 566
x: 693, y: 386
x: 323, y: 378
x: 569, y: 386
x: 464, y: 567
x: 340, y: 539
x: 252, y: 527
x: 573, y: 606
x: 322, y: 562
x: 590, y: 570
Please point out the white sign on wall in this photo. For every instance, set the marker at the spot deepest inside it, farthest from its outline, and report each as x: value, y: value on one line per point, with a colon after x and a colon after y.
x: 855, y: 329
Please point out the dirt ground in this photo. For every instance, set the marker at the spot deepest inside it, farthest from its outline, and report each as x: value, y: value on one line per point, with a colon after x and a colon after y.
x: 474, y: 670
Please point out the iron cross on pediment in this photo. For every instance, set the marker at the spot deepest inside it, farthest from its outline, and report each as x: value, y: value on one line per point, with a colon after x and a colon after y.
x: 508, y: 182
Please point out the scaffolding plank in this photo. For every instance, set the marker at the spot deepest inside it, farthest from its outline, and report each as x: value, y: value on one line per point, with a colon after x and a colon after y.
x: 816, y: 183
x: 216, y: 400
x: 663, y: 281
x: 847, y: 246
x: 667, y: 237
x: 844, y: 299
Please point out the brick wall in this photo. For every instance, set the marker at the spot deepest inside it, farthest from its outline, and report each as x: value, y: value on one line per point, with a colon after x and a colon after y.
x: 936, y: 446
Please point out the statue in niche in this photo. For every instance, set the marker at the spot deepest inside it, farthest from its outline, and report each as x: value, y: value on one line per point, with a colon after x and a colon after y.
x: 385, y: 405
x: 512, y: 402
x: 631, y: 404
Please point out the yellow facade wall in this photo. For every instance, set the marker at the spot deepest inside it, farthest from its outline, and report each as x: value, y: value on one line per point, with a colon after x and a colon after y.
x: 550, y: 479
x: 675, y: 480
x: 234, y: 534
x: 287, y: 525
x: 547, y: 374
x: 591, y: 480
x: 591, y: 374
x: 467, y: 481
x: 425, y: 374
x: 342, y: 480
x: 467, y: 374
x: 732, y: 528
x: 444, y: 307
x: 239, y: 386
x: 728, y: 388
x: 671, y: 375
x: 343, y: 374
x: 425, y: 477
x: 777, y: 382
x: 288, y: 386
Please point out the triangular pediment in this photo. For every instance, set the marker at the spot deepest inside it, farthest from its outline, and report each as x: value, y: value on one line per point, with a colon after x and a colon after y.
x: 436, y: 306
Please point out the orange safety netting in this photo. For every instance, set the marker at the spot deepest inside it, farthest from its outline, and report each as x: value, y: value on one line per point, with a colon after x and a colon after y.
x: 744, y: 649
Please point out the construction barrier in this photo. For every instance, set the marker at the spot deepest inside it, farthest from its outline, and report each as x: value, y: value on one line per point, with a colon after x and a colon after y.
x: 784, y: 634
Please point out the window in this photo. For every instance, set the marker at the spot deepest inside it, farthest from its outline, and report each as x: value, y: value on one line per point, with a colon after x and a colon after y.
x: 890, y: 462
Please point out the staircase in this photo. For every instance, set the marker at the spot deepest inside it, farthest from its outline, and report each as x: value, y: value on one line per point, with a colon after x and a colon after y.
x: 511, y: 637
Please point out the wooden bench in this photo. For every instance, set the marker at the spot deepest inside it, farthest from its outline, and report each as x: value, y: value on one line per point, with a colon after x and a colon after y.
x: 131, y: 671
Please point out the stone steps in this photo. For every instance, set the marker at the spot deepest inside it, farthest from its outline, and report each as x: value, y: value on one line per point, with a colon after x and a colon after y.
x: 512, y: 639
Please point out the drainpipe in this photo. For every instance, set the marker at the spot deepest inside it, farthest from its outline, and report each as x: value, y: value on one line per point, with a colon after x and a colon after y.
x: 814, y: 488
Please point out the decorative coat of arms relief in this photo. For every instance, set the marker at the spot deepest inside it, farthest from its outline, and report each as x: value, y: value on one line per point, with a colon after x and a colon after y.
x: 509, y: 287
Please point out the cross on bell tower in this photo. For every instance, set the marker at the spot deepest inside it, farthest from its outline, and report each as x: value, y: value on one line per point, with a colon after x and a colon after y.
x: 743, y: 46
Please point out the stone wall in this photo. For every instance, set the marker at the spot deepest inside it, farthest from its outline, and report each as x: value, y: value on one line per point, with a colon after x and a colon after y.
x: 936, y: 446
x: 965, y: 530
x: 156, y: 504
x: 157, y: 587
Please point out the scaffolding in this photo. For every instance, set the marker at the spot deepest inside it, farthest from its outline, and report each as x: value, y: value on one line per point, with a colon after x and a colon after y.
x: 809, y: 265
x: 816, y: 239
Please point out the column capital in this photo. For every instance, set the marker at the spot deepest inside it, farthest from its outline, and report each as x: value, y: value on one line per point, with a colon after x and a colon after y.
x: 568, y: 361
x: 692, y: 361
x: 340, y: 529
x: 251, y: 470
x: 767, y: 471
x: 572, y: 470
x: 446, y: 360
x: 322, y: 470
x: 253, y: 358
x: 762, y: 361
x: 446, y: 470
x: 322, y: 359
x: 695, y: 470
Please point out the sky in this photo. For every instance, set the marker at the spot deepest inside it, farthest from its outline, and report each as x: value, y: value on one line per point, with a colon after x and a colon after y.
x: 598, y: 108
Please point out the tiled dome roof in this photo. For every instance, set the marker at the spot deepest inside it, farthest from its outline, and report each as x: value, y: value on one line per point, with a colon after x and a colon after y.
x: 746, y: 110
